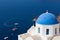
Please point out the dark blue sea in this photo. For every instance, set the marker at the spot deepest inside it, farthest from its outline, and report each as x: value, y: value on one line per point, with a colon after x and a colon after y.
x: 22, y: 12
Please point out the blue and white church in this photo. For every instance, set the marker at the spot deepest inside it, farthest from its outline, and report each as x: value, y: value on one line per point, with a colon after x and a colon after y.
x: 47, y: 27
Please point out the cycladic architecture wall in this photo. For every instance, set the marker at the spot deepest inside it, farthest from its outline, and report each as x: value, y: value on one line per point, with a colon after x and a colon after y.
x: 46, y: 27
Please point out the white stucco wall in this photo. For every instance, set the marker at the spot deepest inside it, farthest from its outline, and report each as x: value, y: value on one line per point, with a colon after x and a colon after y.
x: 34, y: 31
x: 50, y: 27
x: 19, y: 38
x: 29, y: 38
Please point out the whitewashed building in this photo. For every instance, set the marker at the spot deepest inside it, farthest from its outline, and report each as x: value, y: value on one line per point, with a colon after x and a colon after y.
x: 46, y: 28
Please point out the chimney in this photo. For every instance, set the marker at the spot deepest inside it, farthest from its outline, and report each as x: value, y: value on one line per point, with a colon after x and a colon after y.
x: 34, y: 21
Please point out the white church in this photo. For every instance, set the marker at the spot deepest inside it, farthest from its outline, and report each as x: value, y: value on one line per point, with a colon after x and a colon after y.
x: 47, y: 27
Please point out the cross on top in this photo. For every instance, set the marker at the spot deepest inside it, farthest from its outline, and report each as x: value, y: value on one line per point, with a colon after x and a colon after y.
x: 46, y: 11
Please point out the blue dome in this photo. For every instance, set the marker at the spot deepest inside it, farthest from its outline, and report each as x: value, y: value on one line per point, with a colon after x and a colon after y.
x: 47, y: 19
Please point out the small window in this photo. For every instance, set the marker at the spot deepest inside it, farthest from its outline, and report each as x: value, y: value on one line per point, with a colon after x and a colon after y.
x: 47, y: 31
x: 38, y: 30
x: 55, y: 30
